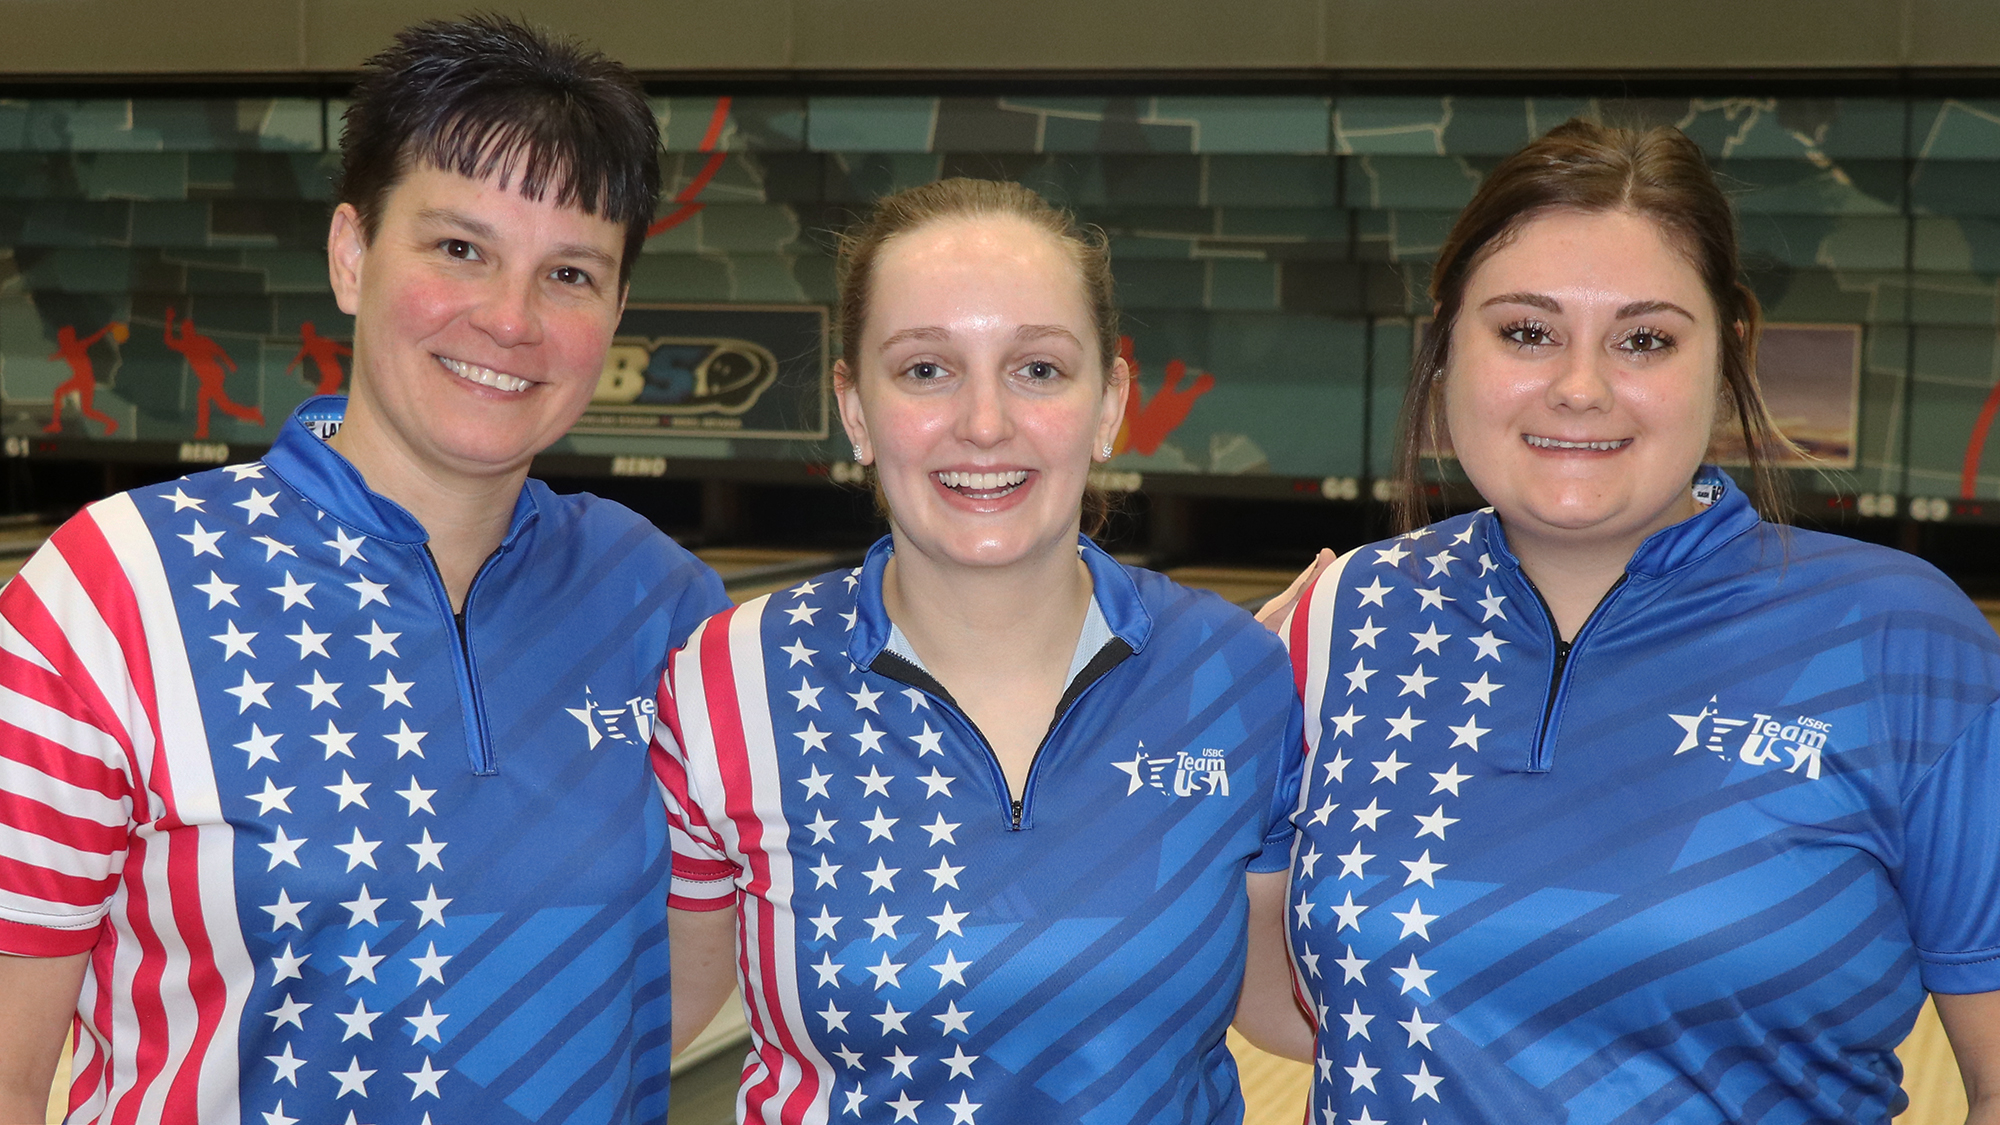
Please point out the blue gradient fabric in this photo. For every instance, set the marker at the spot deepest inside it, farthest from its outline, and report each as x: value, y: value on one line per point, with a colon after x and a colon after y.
x: 336, y: 856
x: 1704, y: 870
x: 912, y: 948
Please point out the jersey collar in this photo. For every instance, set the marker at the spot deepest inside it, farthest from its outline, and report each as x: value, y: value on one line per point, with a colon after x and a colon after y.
x: 311, y: 467
x: 1673, y: 547
x: 1117, y: 598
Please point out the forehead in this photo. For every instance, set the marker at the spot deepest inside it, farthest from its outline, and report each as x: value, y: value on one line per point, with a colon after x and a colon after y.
x: 1589, y: 254
x: 425, y: 192
x: 977, y: 269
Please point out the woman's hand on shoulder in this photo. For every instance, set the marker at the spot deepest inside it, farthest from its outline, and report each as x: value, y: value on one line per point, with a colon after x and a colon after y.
x: 1273, y: 615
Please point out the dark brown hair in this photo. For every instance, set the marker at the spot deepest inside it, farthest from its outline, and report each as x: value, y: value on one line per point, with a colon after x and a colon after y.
x: 485, y: 96
x: 962, y: 198
x: 1584, y: 166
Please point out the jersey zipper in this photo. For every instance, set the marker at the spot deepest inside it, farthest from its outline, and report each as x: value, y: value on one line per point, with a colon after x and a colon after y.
x: 1016, y: 809
x: 471, y: 701
x: 1538, y: 755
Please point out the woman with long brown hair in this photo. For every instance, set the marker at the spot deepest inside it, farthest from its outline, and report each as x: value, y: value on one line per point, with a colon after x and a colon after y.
x: 1624, y: 802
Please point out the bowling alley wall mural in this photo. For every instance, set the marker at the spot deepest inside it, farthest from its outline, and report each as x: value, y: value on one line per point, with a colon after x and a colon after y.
x: 163, y: 280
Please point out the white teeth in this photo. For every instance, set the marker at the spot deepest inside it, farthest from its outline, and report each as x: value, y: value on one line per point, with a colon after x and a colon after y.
x: 484, y: 376
x: 983, y: 482
x: 1540, y: 442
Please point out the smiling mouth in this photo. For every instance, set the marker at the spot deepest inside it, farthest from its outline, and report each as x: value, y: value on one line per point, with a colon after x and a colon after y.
x: 1540, y: 442
x: 484, y: 376
x: 983, y: 486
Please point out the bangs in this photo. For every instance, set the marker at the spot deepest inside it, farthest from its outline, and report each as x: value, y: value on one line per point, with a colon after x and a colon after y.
x: 543, y: 155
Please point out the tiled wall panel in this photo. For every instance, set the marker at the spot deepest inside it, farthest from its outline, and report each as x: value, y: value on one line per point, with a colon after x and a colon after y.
x: 1272, y: 252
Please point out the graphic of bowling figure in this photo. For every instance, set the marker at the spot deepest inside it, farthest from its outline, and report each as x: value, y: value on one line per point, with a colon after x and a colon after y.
x: 206, y: 358
x: 325, y: 355
x: 82, y: 381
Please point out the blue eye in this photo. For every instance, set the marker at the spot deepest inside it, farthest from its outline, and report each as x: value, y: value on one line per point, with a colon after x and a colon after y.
x: 1041, y: 371
x: 925, y: 371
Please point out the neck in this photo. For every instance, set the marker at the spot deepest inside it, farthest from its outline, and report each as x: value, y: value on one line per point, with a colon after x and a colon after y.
x: 1574, y: 573
x: 465, y: 516
x: 961, y: 618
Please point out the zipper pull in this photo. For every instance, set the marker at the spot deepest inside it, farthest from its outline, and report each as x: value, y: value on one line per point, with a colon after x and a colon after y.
x: 1017, y: 814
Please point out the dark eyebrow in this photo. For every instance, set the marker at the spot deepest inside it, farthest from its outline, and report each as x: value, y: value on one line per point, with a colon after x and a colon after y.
x: 1547, y: 304
x: 1642, y: 308
x: 1550, y: 304
x: 445, y: 217
x: 459, y: 220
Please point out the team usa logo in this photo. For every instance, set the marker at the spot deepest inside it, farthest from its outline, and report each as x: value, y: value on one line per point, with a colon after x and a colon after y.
x: 630, y: 723
x: 1194, y: 775
x: 1758, y: 740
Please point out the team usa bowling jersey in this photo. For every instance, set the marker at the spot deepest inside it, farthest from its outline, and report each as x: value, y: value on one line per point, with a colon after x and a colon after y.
x: 335, y: 857
x: 1699, y: 865
x: 915, y: 948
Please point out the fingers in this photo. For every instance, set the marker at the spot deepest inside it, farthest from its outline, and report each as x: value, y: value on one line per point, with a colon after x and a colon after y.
x: 1273, y: 615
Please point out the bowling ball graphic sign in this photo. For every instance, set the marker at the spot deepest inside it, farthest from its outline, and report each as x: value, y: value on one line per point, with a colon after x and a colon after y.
x: 750, y: 371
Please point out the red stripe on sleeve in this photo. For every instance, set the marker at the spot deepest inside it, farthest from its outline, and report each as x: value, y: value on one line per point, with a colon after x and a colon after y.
x: 732, y: 757
x: 1300, y: 639
x: 40, y: 941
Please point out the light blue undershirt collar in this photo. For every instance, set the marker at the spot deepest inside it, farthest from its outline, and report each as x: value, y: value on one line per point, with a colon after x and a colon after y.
x: 1096, y: 634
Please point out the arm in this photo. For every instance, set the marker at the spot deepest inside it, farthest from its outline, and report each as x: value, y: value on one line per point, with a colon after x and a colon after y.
x: 1266, y: 1012
x: 1972, y: 1023
x: 37, y: 1002
x: 704, y: 945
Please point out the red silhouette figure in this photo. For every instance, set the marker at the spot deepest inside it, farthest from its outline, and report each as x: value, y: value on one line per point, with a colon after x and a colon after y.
x: 202, y: 354
x: 82, y: 381
x: 1147, y: 424
x: 323, y: 352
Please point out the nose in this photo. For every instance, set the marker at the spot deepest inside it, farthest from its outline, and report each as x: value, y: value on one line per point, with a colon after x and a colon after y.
x: 983, y: 418
x: 508, y: 311
x: 1582, y: 380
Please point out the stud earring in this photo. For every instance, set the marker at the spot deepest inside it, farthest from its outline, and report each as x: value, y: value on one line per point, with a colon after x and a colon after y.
x: 1107, y: 451
x: 857, y: 452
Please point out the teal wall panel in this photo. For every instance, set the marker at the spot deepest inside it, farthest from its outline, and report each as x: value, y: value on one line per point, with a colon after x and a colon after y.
x: 1272, y: 252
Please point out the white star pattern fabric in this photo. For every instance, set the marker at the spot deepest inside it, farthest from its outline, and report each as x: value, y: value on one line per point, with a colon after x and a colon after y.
x: 327, y: 854
x: 1698, y: 865
x: 915, y: 949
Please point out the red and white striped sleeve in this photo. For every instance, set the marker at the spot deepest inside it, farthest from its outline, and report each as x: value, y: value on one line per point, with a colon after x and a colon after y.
x: 704, y: 876
x: 69, y: 776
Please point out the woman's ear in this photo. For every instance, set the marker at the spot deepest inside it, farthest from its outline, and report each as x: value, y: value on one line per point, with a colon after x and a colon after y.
x: 346, y: 248
x: 847, y: 395
x: 1111, y: 408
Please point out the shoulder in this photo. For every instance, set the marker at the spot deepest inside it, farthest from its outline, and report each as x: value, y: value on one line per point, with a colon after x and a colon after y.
x: 1176, y: 609
x: 1827, y: 571
x: 590, y: 521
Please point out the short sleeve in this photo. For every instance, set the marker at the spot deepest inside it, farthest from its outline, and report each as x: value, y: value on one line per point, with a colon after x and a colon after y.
x: 1950, y: 880
x: 66, y: 767
x: 704, y: 877
x: 701, y: 597
x: 1276, y: 854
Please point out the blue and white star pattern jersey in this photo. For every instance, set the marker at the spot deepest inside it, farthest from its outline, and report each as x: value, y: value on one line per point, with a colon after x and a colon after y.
x: 335, y: 857
x: 912, y: 948
x: 1700, y: 865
